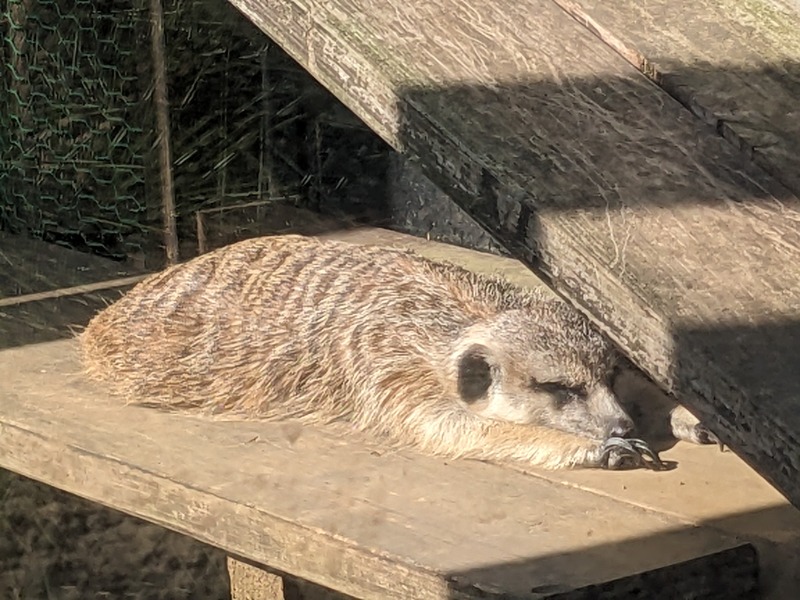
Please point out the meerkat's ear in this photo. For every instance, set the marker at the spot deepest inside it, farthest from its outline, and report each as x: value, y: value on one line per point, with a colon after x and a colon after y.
x: 474, y: 373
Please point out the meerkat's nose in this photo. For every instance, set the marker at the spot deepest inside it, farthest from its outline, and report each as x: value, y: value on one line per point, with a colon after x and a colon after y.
x: 620, y: 427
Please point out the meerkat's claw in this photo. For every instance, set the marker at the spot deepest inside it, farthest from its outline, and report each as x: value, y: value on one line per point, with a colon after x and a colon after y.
x: 705, y: 436
x: 620, y: 453
x: 618, y: 442
x: 649, y: 457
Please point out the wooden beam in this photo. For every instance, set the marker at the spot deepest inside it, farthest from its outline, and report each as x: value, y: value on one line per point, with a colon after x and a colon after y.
x: 682, y: 251
x: 76, y: 290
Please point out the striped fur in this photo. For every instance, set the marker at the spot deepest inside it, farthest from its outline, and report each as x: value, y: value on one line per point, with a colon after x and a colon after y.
x: 290, y: 326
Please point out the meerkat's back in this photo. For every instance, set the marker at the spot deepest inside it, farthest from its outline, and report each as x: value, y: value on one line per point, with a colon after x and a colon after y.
x: 198, y: 335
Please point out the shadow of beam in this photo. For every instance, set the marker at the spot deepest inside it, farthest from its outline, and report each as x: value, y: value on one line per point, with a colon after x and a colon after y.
x: 759, y: 567
x: 732, y: 574
x: 747, y: 401
x: 777, y: 552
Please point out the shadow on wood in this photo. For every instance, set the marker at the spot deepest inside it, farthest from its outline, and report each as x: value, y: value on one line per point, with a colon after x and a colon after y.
x: 141, y: 549
x: 755, y: 401
x: 668, y: 236
x: 783, y: 549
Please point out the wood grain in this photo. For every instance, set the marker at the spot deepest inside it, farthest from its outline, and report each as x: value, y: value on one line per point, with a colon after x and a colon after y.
x: 734, y: 64
x: 683, y: 251
x: 747, y: 510
x: 344, y: 514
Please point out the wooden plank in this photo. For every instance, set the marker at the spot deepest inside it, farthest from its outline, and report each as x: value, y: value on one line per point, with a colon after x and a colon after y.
x: 337, y: 512
x: 597, y: 178
x: 29, y: 266
x: 748, y: 509
x: 48, y: 292
x: 51, y: 319
x: 734, y: 64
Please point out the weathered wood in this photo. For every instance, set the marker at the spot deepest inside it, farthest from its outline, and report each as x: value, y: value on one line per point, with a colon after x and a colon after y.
x: 30, y: 266
x: 336, y: 512
x: 734, y: 64
x: 747, y: 508
x: 684, y: 252
x: 51, y: 319
x: 163, y: 137
x: 78, y: 290
x: 251, y: 583
x: 341, y: 518
x: 48, y: 292
x: 384, y: 525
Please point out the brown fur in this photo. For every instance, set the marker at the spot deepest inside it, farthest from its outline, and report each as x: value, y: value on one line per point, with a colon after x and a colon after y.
x: 430, y: 354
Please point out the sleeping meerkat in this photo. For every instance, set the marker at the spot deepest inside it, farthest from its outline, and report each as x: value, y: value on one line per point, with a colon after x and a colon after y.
x: 431, y: 355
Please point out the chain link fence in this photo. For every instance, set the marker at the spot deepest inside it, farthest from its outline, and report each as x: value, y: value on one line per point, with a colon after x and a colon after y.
x: 78, y: 137
x: 73, y: 132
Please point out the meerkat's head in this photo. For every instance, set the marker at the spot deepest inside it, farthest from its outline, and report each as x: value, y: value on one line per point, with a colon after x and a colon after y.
x: 544, y: 366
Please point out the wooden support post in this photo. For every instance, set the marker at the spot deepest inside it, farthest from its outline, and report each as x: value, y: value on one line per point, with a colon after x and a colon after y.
x: 251, y: 583
x: 162, y: 127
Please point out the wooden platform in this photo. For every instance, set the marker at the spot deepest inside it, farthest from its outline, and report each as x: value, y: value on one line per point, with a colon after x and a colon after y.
x: 683, y: 246
x: 373, y: 524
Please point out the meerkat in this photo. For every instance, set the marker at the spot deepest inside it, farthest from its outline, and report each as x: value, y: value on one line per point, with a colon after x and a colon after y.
x: 428, y: 354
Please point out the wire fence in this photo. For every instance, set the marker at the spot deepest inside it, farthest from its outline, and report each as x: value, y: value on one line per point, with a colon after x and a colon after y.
x: 78, y: 134
x: 73, y: 133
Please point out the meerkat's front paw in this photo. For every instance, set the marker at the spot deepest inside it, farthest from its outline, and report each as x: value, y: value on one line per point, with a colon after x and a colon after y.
x: 628, y: 453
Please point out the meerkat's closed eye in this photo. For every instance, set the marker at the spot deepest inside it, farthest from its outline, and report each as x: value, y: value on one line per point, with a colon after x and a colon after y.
x: 559, y: 386
x: 562, y: 391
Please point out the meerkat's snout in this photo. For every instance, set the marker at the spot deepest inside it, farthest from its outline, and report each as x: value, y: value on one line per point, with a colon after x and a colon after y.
x: 616, y: 422
x: 620, y: 427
